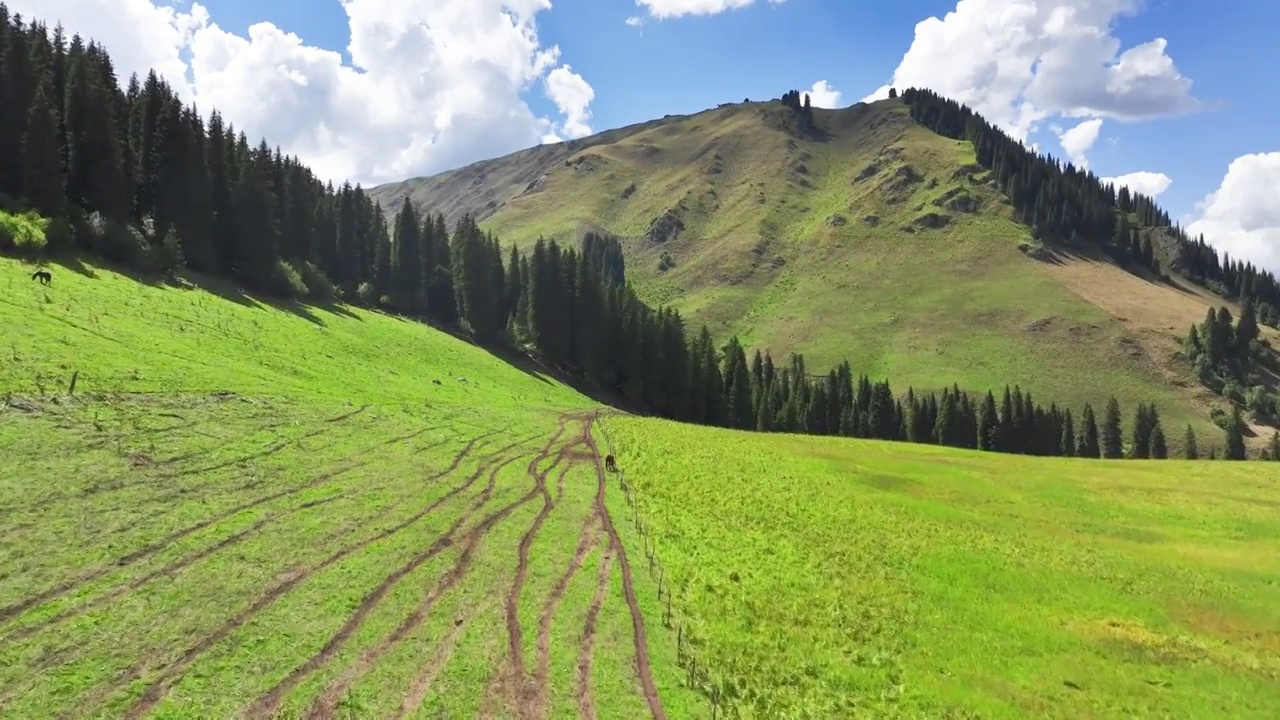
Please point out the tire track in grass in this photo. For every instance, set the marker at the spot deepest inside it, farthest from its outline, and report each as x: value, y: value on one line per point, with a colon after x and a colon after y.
x: 118, y: 481
x: 520, y: 692
x: 170, y: 569
x: 258, y: 455
x: 170, y: 673
x: 628, y: 587
x: 146, y: 551
x: 266, y: 705
x: 586, y: 540
x: 417, y: 692
x: 422, y: 682
x: 586, y: 701
x: 67, y: 586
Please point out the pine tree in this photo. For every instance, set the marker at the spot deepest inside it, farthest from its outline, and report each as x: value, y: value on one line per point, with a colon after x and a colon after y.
x: 989, y: 424
x: 737, y: 385
x: 1112, y: 439
x: 1159, y: 448
x: 44, y: 182
x: 1189, y: 449
x: 1246, y: 327
x: 1067, y: 443
x: 406, y: 267
x: 1089, y: 445
x: 1235, y: 449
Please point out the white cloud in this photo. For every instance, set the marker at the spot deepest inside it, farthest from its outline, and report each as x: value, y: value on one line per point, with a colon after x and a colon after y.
x: 635, y: 21
x: 1077, y: 141
x: 139, y: 34
x: 661, y: 9
x: 1019, y: 62
x: 822, y: 95
x: 573, y: 96
x: 1144, y: 182
x: 430, y: 86
x: 1242, y: 216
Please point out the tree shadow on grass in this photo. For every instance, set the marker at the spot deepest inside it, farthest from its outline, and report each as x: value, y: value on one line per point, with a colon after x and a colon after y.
x: 224, y: 288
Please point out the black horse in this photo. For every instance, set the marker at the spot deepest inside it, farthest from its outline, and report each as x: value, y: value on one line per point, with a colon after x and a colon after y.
x: 610, y: 464
x: 44, y: 276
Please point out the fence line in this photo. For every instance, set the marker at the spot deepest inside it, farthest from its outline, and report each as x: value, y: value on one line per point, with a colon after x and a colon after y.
x: 696, y: 675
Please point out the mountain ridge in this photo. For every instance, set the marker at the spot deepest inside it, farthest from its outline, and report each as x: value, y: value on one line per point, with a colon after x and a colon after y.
x: 759, y: 223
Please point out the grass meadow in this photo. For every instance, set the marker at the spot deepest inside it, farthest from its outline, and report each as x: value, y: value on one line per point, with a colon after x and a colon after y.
x: 256, y: 510
x: 252, y: 510
x: 824, y: 578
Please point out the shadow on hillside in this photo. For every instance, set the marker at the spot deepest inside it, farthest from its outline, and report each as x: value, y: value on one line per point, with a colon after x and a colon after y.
x: 227, y: 289
x: 1059, y: 254
x: 533, y: 367
x: 223, y: 288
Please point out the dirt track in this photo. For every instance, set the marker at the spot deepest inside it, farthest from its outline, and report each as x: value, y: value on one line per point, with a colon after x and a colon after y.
x: 171, y: 673
x: 514, y: 686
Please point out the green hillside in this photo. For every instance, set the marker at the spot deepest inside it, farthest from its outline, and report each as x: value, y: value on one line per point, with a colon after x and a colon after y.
x: 252, y: 510
x: 871, y: 239
x: 820, y: 578
x: 246, y: 507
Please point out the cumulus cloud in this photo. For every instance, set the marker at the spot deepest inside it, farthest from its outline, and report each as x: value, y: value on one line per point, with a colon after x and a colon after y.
x: 635, y: 21
x: 1019, y: 62
x: 572, y: 96
x: 139, y: 34
x: 1077, y: 141
x: 661, y: 9
x: 823, y: 95
x: 1144, y: 182
x: 430, y: 86
x: 1242, y: 217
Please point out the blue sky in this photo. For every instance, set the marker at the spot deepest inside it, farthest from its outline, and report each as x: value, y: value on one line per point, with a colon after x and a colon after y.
x: 1176, y: 97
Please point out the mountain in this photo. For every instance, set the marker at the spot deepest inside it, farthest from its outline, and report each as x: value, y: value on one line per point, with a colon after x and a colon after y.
x: 858, y: 233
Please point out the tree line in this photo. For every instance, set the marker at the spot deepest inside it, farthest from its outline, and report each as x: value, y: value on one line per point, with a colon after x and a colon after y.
x: 577, y: 312
x: 140, y: 178
x: 1072, y: 205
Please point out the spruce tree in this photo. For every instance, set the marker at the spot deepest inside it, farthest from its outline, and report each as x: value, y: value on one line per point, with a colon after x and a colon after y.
x: 1089, y: 445
x: 1246, y: 327
x: 1235, y: 449
x: 406, y: 279
x: 1112, y: 439
x: 1159, y: 448
x: 43, y: 180
x: 1067, y: 444
x: 989, y: 424
x: 737, y: 386
x: 1189, y: 449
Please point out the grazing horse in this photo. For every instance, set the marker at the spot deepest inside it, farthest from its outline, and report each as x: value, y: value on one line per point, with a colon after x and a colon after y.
x: 44, y: 276
x: 610, y: 464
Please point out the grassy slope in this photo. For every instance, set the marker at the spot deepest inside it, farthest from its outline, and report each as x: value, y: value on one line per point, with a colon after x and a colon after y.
x: 828, y: 578
x: 231, y: 483
x: 777, y: 249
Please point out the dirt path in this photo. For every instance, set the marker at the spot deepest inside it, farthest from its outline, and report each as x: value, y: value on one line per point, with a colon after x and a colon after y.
x: 174, y: 671
x: 67, y: 586
x: 170, y: 569
x: 586, y: 540
x: 326, y: 704
x: 520, y: 692
x: 586, y: 701
x: 422, y: 682
x: 164, y: 543
x: 266, y: 705
x: 637, y: 620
